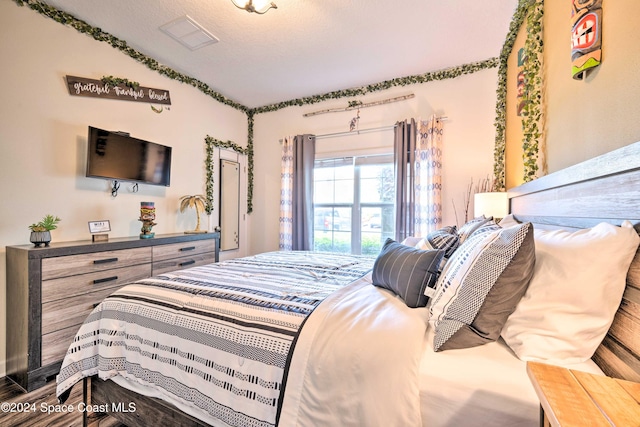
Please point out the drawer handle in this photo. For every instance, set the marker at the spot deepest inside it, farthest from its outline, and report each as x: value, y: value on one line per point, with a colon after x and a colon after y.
x: 106, y: 279
x: 104, y: 261
x: 188, y: 248
x: 182, y: 264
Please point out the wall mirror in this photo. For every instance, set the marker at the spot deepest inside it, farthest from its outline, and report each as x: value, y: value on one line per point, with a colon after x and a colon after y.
x: 229, y: 205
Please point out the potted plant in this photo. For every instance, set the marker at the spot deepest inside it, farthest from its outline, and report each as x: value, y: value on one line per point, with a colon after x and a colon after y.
x: 40, y: 231
x: 198, y: 202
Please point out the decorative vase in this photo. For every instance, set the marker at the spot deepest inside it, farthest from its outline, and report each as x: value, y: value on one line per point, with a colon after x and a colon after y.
x: 40, y: 237
x: 147, y: 216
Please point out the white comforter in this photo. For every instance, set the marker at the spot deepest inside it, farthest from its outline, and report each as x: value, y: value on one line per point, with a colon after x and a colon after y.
x: 359, y: 358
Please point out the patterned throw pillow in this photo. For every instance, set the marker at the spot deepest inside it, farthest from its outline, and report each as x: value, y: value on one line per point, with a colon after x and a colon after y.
x: 407, y: 271
x: 444, y: 238
x: 487, y: 227
x: 472, y: 225
x: 480, y: 287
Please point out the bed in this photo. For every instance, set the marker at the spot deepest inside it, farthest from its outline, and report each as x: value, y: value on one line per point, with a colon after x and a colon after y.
x: 341, y: 374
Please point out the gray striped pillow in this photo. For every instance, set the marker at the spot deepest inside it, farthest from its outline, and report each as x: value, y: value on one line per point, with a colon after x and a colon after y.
x: 407, y: 271
x: 444, y: 238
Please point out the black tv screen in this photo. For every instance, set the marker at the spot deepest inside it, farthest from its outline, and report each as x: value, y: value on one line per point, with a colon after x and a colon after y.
x: 118, y: 156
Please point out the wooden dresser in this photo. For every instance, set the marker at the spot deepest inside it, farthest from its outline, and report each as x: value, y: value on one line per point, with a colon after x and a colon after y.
x: 51, y: 290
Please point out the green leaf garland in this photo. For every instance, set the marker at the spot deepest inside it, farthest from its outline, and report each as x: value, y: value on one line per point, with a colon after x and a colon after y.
x: 116, y: 81
x: 533, y: 9
x: 532, y: 112
x: 448, y: 73
x: 210, y: 144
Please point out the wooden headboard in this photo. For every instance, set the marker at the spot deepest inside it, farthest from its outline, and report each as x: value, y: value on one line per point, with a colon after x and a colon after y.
x: 606, y: 188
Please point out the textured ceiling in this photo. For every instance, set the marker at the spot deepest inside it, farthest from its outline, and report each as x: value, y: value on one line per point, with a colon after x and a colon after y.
x: 306, y: 47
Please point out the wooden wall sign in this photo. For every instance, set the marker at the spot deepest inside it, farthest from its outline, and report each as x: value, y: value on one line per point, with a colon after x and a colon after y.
x: 79, y: 86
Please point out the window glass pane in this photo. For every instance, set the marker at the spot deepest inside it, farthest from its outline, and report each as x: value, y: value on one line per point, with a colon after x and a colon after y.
x: 377, y: 225
x: 323, y: 191
x: 338, y: 219
x: 331, y: 241
x: 332, y: 229
x: 344, y: 172
x: 336, y: 182
x: 377, y: 183
x: 343, y: 191
x: 322, y: 173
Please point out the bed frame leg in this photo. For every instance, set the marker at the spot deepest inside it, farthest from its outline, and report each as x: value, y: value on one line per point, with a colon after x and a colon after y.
x: 89, y: 419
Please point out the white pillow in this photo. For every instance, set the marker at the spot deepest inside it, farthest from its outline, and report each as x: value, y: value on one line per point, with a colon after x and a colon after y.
x: 576, y: 289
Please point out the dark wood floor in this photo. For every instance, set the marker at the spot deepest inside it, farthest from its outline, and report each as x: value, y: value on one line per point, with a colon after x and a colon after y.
x: 37, y: 404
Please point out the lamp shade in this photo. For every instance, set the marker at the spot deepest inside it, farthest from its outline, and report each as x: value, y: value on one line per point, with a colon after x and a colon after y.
x: 494, y: 204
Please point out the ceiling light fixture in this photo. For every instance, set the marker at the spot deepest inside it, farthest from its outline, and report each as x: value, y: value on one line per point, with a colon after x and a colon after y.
x: 259, y: 6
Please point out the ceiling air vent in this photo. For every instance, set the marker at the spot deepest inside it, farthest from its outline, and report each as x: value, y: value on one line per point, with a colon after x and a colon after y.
x: 189, y: 33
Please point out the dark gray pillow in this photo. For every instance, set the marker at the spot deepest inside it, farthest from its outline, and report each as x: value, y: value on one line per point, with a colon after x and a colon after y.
x: 407, y: 271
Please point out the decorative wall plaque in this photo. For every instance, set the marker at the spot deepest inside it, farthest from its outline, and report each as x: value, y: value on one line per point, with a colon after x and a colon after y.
x: 80, y: 86
x: 586, y: 38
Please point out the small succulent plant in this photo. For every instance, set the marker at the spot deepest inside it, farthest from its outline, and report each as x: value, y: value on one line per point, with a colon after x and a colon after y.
x: 48, y: 223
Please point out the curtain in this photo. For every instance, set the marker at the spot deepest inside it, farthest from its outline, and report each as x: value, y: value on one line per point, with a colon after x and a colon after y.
x: 428, y: 176
x: 286, y: 195
x: 418, y: 170
x: 404, y: 159
x: 296, y: 197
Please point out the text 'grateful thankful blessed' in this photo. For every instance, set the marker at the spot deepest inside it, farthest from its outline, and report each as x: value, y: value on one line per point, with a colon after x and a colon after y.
x: 79, y: 86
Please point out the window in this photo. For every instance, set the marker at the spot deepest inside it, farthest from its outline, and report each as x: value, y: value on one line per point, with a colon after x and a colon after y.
x: 353, y: 204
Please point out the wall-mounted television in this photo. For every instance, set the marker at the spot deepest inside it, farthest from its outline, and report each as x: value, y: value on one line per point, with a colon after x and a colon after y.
x: 118, y: 156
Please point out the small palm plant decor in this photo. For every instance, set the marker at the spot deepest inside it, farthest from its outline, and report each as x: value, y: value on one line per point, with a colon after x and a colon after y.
x: 198, y: 202
x: 40, y: 231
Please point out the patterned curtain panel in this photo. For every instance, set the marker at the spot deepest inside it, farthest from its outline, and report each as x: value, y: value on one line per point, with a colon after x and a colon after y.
x: 286, y: 195
x: 428, y: 176
x: 296, y: 193
x: 418, y: 170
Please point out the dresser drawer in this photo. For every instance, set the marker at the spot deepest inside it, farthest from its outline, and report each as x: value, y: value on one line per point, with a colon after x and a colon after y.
x: 65, y: 313
x: 61, y: 320
x: 72, y: 265
x: 165, y: 266
x: 175, y: 250
x: 56, y: 344
x: 65, y: 287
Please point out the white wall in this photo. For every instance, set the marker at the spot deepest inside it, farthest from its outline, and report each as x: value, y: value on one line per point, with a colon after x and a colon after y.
x: 43, y: 133
x: 468, y: 102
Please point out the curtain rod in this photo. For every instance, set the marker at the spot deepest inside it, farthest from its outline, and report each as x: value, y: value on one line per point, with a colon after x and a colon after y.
x: 358, y: 132
x: 359, y: 105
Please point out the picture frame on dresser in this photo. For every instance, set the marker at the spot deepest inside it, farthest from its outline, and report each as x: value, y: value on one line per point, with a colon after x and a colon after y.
x: 51, y: 290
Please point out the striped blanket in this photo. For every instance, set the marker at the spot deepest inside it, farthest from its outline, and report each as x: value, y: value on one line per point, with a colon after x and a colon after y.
x: 216, y: 338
